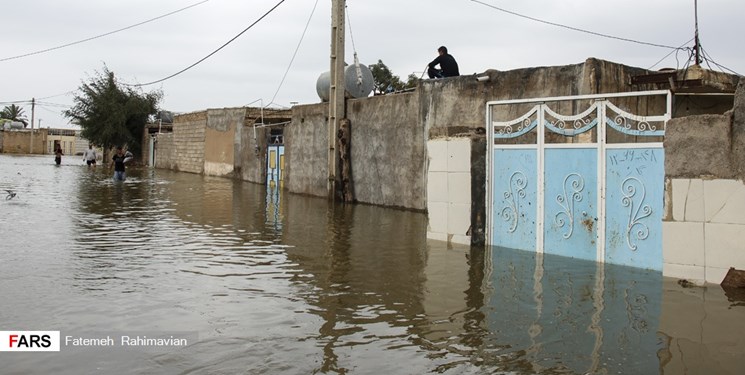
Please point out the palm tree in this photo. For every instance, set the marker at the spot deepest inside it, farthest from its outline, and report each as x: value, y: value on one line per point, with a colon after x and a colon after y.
x: 14, y: 113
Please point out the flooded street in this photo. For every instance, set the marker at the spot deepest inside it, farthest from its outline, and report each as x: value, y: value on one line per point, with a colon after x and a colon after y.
x: 260, y: 282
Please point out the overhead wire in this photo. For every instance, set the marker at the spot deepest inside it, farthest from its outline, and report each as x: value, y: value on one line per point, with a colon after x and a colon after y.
x: 572, y: 28
x: 294, y: 54
x: 708, y: 58
x: 211, y: 53
x: 54, y: 96
x: 102, y: 35
x: 53, y: 104
x: 671, y: 52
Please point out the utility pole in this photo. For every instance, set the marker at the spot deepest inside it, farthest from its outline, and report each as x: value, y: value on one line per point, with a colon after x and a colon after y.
x: 336, y: 94
x: 697, y: 42
x: 31, y: 148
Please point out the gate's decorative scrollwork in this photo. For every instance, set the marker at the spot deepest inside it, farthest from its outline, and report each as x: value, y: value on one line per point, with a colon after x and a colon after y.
x: 631, y: 124
x: 566, y: 202
x: 571, y: 125
x: 517, y: 127
x: 636, y: 213
x: 511, y: 212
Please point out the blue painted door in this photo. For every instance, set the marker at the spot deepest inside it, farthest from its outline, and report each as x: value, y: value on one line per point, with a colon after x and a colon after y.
x: 570, y: 202
x: 275, y: 165
x: 634, y: 204
x: 515, y: 195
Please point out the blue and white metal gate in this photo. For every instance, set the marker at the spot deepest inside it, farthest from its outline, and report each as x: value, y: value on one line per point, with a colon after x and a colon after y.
x: 275, y: 165
x: 588, y: 184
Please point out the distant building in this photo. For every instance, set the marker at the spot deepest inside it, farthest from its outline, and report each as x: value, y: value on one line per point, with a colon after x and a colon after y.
x: 65, y: 139
x: 45, y: 141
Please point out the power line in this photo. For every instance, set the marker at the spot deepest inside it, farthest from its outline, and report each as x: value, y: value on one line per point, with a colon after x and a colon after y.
x: 53, y: 104
x: 708, y: 58
x: 671, y: 52
x: 294, y: 54
x: 212, y: 53
x: 571, y: 27
x: 54, y: 96
x: 102, y: 35
x: 16, y: 102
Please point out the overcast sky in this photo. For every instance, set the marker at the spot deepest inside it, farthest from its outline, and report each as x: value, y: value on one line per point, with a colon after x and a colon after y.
x: 404, y: 34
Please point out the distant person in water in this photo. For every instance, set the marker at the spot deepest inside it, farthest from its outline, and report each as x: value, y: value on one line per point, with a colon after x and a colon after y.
x: 118, y: 164
x: 89, y: 157
x: 58, y: 155
x: 447, y: 63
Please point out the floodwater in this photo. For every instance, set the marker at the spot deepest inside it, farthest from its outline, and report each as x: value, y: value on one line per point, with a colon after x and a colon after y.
x: 258, y: 282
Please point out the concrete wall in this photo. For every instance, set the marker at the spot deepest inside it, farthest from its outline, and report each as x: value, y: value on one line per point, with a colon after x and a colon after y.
x: 19, y: 142
x: 253, y: 154
x: 388, y: 151
x: 447, y: 106
x: 222, y: 140
x: 391, y: 164
x: 306, y: 145
x: 704, y: 227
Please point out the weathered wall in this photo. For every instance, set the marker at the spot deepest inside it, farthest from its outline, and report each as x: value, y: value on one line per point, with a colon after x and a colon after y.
x: 699, y: 146
x: 222, y: 140
x: 388, y: 151
x: 738, y: 131
x: 708, y: 145
x: 165, y: 151
x: 19, y: 142
x: 253, y: 154
x: 704, y: 228
x: 389, y: 133
x: 183, y: 150
x: 306, y: 145
x: 447, y: 106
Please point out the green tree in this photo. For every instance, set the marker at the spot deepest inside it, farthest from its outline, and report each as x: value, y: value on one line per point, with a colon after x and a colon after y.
x: 411, y: 81
x: 14, y: 113
x: 111, y: 114
x: 384, y: 80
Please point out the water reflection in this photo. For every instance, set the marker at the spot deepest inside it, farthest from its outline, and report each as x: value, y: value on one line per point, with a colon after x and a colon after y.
x: 280, y: 283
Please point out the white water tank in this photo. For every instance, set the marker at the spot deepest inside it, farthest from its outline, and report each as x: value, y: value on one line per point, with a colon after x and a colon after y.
x: 354, y: 86
x: 13, y: 125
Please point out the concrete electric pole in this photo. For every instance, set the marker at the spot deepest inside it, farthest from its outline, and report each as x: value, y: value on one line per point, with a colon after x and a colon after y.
x: 31, y: 147
x: 336, y: 94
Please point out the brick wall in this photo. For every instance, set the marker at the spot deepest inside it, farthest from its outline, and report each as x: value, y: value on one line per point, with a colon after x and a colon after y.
x: 183, y: 150
x: 19, y: 142
x: 165, y: 151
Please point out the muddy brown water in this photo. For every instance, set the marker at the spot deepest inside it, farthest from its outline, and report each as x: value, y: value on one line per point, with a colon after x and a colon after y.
x: 261, y: 282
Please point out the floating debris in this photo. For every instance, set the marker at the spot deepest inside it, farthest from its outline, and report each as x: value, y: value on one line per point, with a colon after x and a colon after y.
x: 11, y: 195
